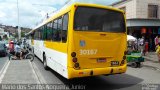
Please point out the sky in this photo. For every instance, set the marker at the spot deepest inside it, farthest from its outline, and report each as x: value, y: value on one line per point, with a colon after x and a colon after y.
x: 32, y: 12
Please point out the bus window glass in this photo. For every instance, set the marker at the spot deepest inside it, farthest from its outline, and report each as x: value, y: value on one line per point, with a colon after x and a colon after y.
x: 99, y: 20
x: 57, y: 30
x: 49, y: 31
x: 41, y: 33
x: 55, y: 26
x: 65, y: 28
x: 44, y: 32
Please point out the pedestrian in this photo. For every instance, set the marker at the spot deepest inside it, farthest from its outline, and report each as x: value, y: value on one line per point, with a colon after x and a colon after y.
x: 141, y: 45
x: 158, y: 51
x: 11, y: 47
x: 156, y: 40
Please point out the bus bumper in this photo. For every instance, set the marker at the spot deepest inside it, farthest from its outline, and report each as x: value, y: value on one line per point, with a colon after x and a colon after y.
x: 73, y: 73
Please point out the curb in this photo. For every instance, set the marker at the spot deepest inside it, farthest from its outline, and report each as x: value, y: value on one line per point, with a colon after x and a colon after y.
x: 149, y: 59
x: 38, y: 74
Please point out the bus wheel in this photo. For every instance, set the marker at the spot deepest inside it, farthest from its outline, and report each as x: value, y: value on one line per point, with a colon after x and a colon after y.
x: 45, y: 62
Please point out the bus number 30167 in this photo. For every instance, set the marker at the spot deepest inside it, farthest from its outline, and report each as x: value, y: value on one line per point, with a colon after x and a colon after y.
x: 88, y: 52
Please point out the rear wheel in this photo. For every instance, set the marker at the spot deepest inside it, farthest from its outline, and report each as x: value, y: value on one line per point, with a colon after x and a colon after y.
x: 45, y: 62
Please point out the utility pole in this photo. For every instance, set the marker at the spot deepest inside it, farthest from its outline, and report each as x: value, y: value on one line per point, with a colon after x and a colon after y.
x: 19, y: 29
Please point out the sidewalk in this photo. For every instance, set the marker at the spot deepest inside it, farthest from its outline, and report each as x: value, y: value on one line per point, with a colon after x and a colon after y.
x: 151, y: 60
x: 19, y: 72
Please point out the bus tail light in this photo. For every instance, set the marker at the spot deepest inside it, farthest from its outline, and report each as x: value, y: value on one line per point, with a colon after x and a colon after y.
x: 122, y: 62
x: 125, y: 52
x: 124, y: 57
x: 74, y: 59
x: 73, y: 54
x: 76, y: 65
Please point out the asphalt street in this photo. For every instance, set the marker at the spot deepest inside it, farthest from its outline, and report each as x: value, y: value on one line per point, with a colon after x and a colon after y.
x: 133, y: 79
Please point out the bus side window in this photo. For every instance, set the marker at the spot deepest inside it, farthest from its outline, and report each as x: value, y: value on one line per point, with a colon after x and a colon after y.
x: 64, y: 28
x: 59, y: 29
x: 44, y: 32
x: 41, y: 33
x: 49, y: 31
x: 36, y: 35
x: 55, y: 26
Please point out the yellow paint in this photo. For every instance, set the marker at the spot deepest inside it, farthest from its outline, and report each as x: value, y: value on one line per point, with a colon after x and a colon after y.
x: 58, y: 46
x: 96, y: 71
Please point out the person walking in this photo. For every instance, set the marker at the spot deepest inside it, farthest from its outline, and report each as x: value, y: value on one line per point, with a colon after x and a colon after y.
x: 156, y: 40
x: 141, y: 45
x: 11, y: 47
x: 158, y: 51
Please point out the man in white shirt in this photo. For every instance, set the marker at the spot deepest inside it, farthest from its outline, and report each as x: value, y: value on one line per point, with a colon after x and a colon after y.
x: 18, y: 51
x: 141, y: 44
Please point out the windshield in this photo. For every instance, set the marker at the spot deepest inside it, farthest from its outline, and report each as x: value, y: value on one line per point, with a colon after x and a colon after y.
x: 98, y: 19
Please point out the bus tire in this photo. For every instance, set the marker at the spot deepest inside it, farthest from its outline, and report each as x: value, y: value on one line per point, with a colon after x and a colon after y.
x: 45, y: 62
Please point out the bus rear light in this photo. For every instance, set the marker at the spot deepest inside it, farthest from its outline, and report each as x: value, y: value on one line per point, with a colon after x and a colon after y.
x: 124, y: 57
x: 74, y: 59
x: 73, y: 54
x: 76, y: 65
x: 122, y: 62
x: 125, y: 52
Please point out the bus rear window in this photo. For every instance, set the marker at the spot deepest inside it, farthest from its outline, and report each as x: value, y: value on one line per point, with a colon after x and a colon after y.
x: 98, y: 20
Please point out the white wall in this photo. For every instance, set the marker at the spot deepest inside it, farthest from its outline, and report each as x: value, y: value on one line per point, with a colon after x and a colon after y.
x: 142, y: 7
x: 138, y: 8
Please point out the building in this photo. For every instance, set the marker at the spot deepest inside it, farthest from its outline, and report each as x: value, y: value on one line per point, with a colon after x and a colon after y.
x: 143, y: 18
x: 3, y: 33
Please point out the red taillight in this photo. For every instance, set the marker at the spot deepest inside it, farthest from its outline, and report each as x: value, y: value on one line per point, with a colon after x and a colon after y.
x: 74, y: 60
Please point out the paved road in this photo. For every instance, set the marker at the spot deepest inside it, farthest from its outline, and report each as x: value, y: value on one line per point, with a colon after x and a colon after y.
x: 134, y: 78
x: 3, y: 60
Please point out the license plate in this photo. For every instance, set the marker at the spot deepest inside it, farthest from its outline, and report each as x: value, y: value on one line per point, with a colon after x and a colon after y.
x: 101, y: 60
x: 114, y: 63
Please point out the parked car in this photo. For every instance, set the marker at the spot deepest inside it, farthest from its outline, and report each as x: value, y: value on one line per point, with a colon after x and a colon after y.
x: 3, y: 50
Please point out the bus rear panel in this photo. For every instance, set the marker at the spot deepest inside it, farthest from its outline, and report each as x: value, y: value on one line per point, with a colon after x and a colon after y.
x: 99, y: 42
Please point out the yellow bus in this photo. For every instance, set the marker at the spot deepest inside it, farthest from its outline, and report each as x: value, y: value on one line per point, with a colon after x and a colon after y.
x: 82, y: 40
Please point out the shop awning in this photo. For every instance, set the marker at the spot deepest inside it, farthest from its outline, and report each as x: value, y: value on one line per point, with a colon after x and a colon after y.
x: 143, y: 22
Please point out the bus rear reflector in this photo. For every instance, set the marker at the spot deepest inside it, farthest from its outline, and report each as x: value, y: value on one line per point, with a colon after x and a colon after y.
x: 80, y: 72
